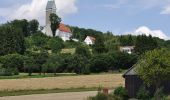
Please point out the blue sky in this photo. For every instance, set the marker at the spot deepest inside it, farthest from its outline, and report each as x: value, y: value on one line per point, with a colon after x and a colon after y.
x: 117, y: 16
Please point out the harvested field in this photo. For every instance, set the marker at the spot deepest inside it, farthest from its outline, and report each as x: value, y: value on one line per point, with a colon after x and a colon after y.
x: 65, y: 82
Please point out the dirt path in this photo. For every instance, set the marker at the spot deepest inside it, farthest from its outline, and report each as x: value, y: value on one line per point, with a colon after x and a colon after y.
x: 54, y: 96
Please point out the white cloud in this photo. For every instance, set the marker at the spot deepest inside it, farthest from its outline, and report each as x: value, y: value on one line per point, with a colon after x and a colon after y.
x: 155, y: 33
x: 166, y: 10
x: 36, y: 10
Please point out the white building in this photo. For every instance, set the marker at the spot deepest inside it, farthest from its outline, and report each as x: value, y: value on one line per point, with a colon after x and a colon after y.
x: 127, y: 49
x: 89, y: 40
x: 63, y: 31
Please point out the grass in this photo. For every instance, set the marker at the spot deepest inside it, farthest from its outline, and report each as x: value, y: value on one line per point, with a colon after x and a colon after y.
x: 68, y: 50
x: 36, y: 75
x: 43, y: 91
x: 64, y: 82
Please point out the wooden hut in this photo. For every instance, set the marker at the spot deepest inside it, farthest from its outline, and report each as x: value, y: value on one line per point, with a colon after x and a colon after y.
x: 133, y: 83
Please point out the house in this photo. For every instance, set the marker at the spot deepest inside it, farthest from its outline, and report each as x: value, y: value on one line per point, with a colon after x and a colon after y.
x: 63, y: 31
x: 133, y: 83
x: 127, y: 49
x: 90, y: 40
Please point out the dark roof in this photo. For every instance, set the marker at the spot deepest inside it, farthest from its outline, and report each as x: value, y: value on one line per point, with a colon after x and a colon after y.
x: 131, y: 71
x: 50, y: 4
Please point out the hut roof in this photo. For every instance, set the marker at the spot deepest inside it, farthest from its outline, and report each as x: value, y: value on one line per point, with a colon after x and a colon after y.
x: 131, y: 71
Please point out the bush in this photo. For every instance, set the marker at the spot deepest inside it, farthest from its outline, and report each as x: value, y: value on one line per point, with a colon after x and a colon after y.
x: 100, y: 96
x: 159, y: 95
x: 5, y: 72
x: 143, y: 94
x: 121, y: 93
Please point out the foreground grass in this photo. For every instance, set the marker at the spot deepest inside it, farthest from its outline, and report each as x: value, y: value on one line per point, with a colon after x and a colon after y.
x: 44, y: 91
x: 36, y: 75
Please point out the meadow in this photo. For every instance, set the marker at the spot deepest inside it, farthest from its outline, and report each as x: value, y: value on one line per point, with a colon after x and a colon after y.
x: 65, y: 82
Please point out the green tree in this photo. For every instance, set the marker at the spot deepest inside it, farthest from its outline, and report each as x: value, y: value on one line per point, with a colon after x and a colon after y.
x: 55, y: 22
x: 144, y: 43
x: 83, y: 51
x: 53, y: 63
x: 99, y: 46
x: 33, y: 26
x: 11, y: 40
x: 23, y: 25
x: 154, y: 67
x: 12, y: 61
x: 39, y: 40
x: 29, y: 65
x: 55, y: 44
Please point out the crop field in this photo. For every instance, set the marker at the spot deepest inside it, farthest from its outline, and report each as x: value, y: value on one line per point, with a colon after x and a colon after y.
x: 64, y: 82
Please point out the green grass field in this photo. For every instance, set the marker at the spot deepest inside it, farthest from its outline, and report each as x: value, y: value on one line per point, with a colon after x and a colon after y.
x: 68, y: 50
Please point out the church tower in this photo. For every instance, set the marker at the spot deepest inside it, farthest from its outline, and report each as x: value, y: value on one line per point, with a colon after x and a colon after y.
x: 50, y: 8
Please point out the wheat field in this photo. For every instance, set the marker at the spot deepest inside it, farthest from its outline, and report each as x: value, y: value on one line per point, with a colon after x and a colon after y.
x: 64, y: 82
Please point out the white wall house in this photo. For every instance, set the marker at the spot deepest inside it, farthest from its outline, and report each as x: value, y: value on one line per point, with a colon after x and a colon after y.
x: 63, y: 31
x: 89, y: 40
x: 127, y: 49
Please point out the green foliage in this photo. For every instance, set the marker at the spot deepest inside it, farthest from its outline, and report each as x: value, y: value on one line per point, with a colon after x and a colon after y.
x: 33, y: 26
x: 12, y: 61
x: 29, y: 65
x: 121, y: 92
x: 144, y: 43
x: 53, y: 63
x: 99, y: 46
x: 55, y: 22
x: 39, y: 40
x: 100, y: 96
x: 83, y: 51
x: 126, y: 40
x: 23, y: 25
x: 81, y: 33
x: 12, y: 40
x: 55, y: 44
x: 100, y: 63
x: 159, y: 95
x: 143, y: 94
x: 154, y: 67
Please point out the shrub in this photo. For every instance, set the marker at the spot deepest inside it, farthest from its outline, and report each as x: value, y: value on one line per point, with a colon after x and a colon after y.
x: 121, y: 93
x: 5, y: 72
x: 100, y: 96
x: 143, y: 94
x: 159, y: 95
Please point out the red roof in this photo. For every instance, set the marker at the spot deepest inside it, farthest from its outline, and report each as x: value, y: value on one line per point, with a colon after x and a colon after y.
x: 64, y: 28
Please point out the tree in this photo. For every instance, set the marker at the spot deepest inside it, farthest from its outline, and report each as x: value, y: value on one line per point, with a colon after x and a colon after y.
x: 55, y: 22
x: 100, y: 63
x: 11, y: 40
x: 22, y: 25
x: 78, y: 64
x: 154, y: 67
x: 33, y: 26
x: 55, y: 44
x: 53, y: 63
x: 144, y: 43
x: 39, y: 40
x: 99, y: 46
x: 83, y: 51
x: 14, y: 61
x: 29, y: 65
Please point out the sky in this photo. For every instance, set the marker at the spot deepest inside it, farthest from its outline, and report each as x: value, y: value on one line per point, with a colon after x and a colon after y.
x: 150, y: 17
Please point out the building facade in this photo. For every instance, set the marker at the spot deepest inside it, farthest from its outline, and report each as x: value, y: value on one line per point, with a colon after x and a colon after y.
x: 63, y: 31
x: 90, y: 40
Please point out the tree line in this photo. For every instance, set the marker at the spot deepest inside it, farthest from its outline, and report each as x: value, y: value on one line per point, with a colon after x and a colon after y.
x: 24, y: 48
